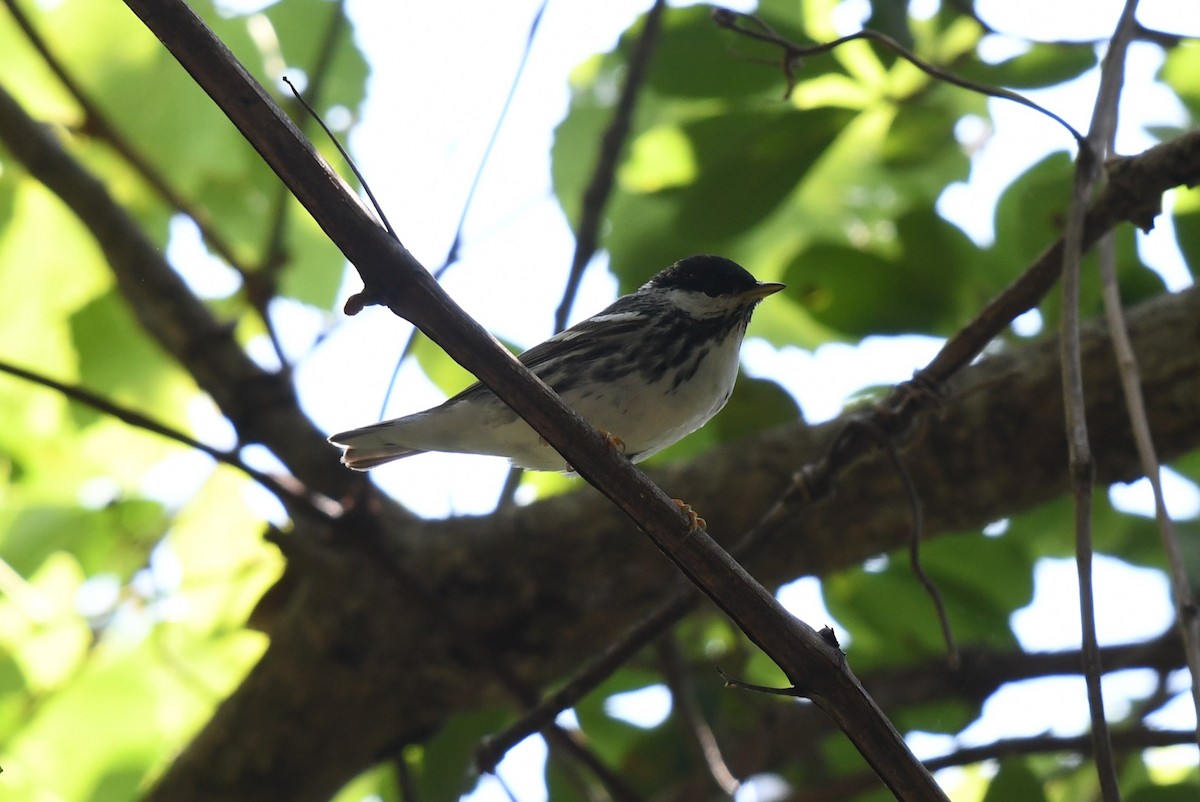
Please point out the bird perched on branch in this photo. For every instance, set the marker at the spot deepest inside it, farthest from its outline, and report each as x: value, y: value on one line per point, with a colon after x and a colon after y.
x: 654, y: 366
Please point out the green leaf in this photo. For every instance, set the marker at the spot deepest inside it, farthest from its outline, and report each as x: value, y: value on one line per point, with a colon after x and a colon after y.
x: 118, y: 361
x: 1187, y: 226
x: 696, y: 59
x: 130, y: 697
x: 892, y: 618
x: 746, y: 165
x: 1179, y: 72
x: 226, y: 564
x: 1015, y: 782
x: 449, y: 376
x: 1030, y: 214
x: 15, y: 698
x: 921, y: 288
x: 1179, y: 792
x: 749, y: 162
x: 1040, y: 66
x: 445, y: 765
x: 115, y: 539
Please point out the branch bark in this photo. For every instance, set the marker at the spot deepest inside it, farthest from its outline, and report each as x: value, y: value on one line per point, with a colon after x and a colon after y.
x: 392, y: 276
x: 339, y: 685
x: 543, y: 585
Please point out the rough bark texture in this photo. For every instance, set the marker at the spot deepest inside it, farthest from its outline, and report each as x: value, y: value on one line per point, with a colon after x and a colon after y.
x: 355, y: 667
x: 361, y: 662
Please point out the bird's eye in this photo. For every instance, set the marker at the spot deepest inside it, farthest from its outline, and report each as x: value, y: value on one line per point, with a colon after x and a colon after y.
x: 712, y: 292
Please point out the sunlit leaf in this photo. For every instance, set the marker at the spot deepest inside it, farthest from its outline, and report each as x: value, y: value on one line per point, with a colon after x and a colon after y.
x: 1041, y: 65
x: 1014, y: 782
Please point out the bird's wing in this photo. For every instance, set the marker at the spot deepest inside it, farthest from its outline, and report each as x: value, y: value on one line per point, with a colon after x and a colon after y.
x: 588, y: 338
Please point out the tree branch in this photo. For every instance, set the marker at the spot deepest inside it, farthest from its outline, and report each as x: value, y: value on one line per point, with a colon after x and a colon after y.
x: 286, y: 489
x: 262, y: 406
x: 612, y: 145
x: 543, y: 584
x: 393, y: 276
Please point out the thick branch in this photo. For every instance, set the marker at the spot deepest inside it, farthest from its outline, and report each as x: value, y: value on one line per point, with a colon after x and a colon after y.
x: 261, y: 405
x: 543, y: 585
x: 391, y: 275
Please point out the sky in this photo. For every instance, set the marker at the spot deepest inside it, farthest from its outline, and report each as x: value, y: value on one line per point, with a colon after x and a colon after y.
x: 440, y: 75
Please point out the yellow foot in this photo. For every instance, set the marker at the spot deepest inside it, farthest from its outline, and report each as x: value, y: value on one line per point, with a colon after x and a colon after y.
x: 695, y: 521
x: 613, y: 440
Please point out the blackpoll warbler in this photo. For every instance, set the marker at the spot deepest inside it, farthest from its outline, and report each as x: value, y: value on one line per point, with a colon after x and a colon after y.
x: 651, y: 368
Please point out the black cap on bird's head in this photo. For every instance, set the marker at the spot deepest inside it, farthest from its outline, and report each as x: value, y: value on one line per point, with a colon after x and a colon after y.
x: 715, y: 276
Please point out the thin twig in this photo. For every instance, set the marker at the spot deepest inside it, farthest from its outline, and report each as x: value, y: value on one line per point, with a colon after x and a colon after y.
x: 691, y: 720
x: 264, y: 281
x: 366, y: 534
x: 383, y: 218
x: 1081, y: 462
x: 98, y: 125
x: 452, y: 255
x: 612, y: 144
x: 954, y: 658
x: 793, y: 53
x: 289, y: 492
x: 1186, y: 618
x: 1126, y: 740
x: 595, y: 197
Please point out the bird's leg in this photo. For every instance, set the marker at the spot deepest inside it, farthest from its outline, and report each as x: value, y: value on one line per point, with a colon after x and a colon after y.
x: 613, y: 440
x: 695, y: 521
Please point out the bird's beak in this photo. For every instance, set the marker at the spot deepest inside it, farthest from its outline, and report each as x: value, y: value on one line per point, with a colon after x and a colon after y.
x: 763, y: 289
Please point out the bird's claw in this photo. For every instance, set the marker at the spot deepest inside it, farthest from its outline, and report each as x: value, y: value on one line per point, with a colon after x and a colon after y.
x: 613, y: 440
x: 695, y: 521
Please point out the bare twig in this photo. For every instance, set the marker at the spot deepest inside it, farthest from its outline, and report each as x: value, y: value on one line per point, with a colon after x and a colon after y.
x: 691, y: 720
x: 1182, y: 595
x: 383, y: 218
x: 1187, y: 614
x: 1141, y: 738
x: 392, y: 274
x: 98, y: 124
x: 793, y: 53
x: 263, y: 283
x: 452, y: 255
x: 612, y: 144
x: 914, y: 554
x: 290, y: 492
x: 1081, y: 462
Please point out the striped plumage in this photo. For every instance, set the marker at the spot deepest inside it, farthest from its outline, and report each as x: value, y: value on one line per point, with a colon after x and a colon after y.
x: 649, y: 369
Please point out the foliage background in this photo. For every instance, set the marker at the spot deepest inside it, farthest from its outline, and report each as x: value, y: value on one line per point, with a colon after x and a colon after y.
x: 132, y: 564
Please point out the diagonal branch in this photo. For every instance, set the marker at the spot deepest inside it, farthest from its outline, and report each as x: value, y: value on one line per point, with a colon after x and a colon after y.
x: 98, y: 124
x: 612, y: 143
x: 261, y: 405
x: 1081, y: 463
x: 793, y: 53
x: 544, y: 584
x: 289, y: 492
x: 392, y: 275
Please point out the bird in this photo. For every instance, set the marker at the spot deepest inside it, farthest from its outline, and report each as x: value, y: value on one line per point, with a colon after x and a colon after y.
x: 647, y: 370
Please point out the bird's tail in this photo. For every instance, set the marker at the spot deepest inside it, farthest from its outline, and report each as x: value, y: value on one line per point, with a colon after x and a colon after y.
x: 370, y: 446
